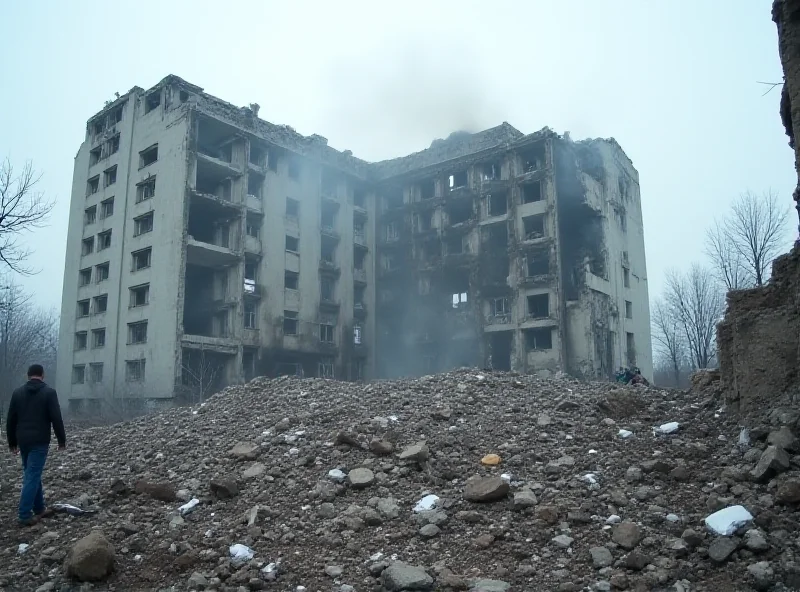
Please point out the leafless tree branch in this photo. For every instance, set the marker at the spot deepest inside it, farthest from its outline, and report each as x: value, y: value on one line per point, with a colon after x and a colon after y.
x: 22, y: 209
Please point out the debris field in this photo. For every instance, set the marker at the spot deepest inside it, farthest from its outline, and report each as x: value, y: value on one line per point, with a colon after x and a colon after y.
x: 471, y: 480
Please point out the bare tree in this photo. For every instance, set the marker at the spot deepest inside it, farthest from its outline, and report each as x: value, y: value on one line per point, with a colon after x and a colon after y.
x: 696, y: 302
x: 28, y: 335
x: 22, y: 209
x: 669, y: 338
x: 201, y: 376
x: 743, y: 244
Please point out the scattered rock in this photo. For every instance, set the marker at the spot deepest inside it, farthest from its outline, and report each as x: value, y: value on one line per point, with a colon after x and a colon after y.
x: 601, y: 557
x: 773, y: 461
x: 91, y: 559
x: 224, y: 488
x: 418, y: 452
x: 486, y: 489
x: 722, y: 548
x: 401, y: 576
x: 245, y: 451
x: 626, y: 535
x: 524, y: 499
x: 490, y: 460
x: 361, y: 478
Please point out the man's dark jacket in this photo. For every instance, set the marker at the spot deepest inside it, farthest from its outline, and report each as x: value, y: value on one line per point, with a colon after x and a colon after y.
x: 34, y: 408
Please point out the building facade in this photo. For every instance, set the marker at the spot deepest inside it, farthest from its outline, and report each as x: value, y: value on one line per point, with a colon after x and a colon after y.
x: 207, y: 246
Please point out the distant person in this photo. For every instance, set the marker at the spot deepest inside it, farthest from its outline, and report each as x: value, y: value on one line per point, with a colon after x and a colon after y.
x: 34, y: 408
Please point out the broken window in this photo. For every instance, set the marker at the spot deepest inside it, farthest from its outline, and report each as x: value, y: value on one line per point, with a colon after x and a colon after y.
x: 325, y: 368
x: 115, y: 116
x: 85, y: 276
x: 94, y: 156
x: 148, y: 156
x: 112, y: 146
x: 294, y: 170
x: 254, y: 183
x: 250, y: 275
x: 104, y: 240
x: 500, y: 307
x: 359, y: 257
x: 358, y: 370
x: 291, y: 280
x: 391, y: 232
x: 79, y: 374
x: 292, y: 244
x: 272, y: 161
x: 328, y: 219
x: 531, y: 192
x: 134, y: 370
x: 460, y: 300
x: 454, y: 245
x: 427, y: 189
x: 326, y: 333
x: 358, y: 296
x: 90, y: 215
x: 253, y: 225
x: 183, y: 96
x: 359, y: 232
x: 539, y: 338
x: 98, y: 126
x: 152, y: 101
x: 628, y: 309
x: 143, y: 224
x: 81, y: 339
x: 533, y: 159
x: 292, y: 208
x: 329, y: 183
x: 537, y: 265
x: 626, y: 278
x: 141, y: 259
x: 328, y: 251
x: 110, y: 176
x: 539, y: 306
x: 533, y: 227
x: 327, y: 287
x: 96, y: 372
x: 107, y: 208
x: 360, y: 198
x: 100, y: 304
x: 458, y: 180
x: 496, y: 236
x: 87, y: 246
x: 256, y: 156
x: 388, y: 262
x: 101, y: 272
x: 98, y: 338
x: 490, y: 171
x: 290, y: 322
x: 357, y: 334
x: 93, y: 185
x: 83, y: 307
x: 250, y: 314
x: 459, y: 212
x: 631, y: 347
x: 140, y: 295
x: 145, y: 189
x: 393, y: 199
x: 431, y: 250
x: 137, y: 332
x: 497, y: 204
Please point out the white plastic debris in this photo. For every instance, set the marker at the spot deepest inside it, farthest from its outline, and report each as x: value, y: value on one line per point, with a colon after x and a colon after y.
x: 22, y: 548
x: 744, y: 437
x: 271, y: 568
x: 590, y: 478
x: 189, y: 506
x: 669, y: 428
x: 625, y: 434
x: 507, y: 477
x: 337, y: 475
x: 393, y: 418
x: 728, y: 520
x: 613, y: 519
x: 294, y: 451
x: 592, y: 451
x: 673, y: 518
x: 427, y: 503
x: 241, y: 553
x: 376, y: 557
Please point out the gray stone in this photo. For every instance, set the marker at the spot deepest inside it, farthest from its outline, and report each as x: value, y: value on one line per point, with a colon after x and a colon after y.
x: 91, y: 559
x: 381, y: 447
x: 563, y: 541
x: 773, y: 461
x: 755, y: 541
x: 722, y: 548
x: 361, y: 478
x: 486, y: 489
x: 489, y: 586
x: 692, y: 538
x: 417, y: 452
x: 436, y: 517
x: 255, y: 470
x: 788, y: 492
x: 401, y: 576
x: 524, y: 499
x: 197, y: 581
x: 784, y: 438
x: 762, y: 574
x: 245, y: 451
x: 47, y: 587
x: 633, y: 475
x: 429, y: 531
x: 601, y: 557
x: 334, y: 571
x: 224, y: 488
x: 389, y: 508
x: 626, y: 535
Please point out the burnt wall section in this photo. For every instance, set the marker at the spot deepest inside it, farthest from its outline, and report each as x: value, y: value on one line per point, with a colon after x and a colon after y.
x: 759, y: 339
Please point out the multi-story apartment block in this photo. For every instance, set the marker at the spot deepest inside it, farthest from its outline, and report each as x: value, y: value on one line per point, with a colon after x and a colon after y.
x: 206, y: 246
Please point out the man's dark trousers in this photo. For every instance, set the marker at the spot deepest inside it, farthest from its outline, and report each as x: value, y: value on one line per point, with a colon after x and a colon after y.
x: 32, y: 497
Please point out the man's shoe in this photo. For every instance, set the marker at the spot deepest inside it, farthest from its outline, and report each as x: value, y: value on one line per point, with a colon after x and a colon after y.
x: 32, y: 521
x: 46, y: 513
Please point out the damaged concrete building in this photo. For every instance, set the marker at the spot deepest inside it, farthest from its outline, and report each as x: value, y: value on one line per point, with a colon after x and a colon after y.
x: 207, y: 246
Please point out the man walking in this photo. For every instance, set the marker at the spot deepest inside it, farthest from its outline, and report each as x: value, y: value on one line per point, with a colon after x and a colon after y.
x: 34, y: 408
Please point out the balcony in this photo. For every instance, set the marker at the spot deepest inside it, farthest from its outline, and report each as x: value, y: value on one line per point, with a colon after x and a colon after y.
x: 359, y: 310
x: 208, y: 254
x: 220, y: 166
x: 329, y: 231
x: 360, y: 239
x: 328, y: 302
x: 329, y: 266
x: 252, y: 245
x: 360, y: 275
x: 250, y: 288
x: 254, y: 203
x: 224, y: 345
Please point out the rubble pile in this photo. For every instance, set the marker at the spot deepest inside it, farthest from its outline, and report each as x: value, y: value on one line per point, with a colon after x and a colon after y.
x: 471, y: 480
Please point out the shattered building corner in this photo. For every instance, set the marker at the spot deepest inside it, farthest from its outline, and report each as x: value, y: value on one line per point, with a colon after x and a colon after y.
x: 207, y: 246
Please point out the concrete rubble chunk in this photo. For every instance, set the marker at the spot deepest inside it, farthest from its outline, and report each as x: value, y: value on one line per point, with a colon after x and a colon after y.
x: 245, y: 451
x: 489, y: 586
x: 773, y: 461
x: 486, y: 489
x: 601, y: 557
x: 722, y: 548
x: 627, y: 535
x: 361, y: 478
x: 417, y: 452
x: 727, y: 521
x: 91, y: 558
x: 784, y: 438
x: 401, y: 576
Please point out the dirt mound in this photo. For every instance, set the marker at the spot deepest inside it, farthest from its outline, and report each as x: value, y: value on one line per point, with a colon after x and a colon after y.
x: 321, y: 485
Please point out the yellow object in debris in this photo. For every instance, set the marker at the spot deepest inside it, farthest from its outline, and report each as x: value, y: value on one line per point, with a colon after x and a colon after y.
x: 490, y: 460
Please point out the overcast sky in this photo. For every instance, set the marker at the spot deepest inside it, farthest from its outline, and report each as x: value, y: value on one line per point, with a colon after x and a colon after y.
x: 674, y: 81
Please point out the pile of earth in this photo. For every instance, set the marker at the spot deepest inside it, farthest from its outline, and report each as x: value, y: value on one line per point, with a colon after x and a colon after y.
x: 466, y: 481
